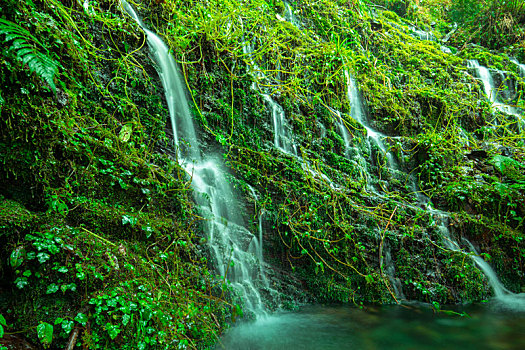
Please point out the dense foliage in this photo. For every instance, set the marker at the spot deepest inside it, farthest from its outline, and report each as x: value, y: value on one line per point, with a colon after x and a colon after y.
x: 100, y: 241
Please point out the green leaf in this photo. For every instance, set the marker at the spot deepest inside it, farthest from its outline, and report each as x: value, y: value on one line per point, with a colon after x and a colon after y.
x: 3, y: 321
x: 113, y: 330
x: 42, y: 257
x: 45, y: 333
x: 125, y: 133
x: 17, y: 257
x: 21, y: 282
x: 148, y: 231
x: 52, y: 288
x: 67, y: 326
x: 1, y: 331
x: 122, y: 183
x: 71, y: 286
x: 129, y: 220
x: 81, y: 318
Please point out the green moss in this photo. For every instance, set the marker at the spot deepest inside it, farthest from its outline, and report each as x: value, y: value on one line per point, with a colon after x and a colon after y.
x: 14, y: 217
x: 118, y: 213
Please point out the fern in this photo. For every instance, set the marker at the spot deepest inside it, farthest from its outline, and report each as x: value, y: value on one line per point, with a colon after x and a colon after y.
x: 25, y: 45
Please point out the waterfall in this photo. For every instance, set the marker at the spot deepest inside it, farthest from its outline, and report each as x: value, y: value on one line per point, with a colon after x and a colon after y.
x: 283, y: 135
x: 174, y: 90
x: 486, y: 78
x: 503, y: 298
x: 282, y: 132
x: 445, y: 49
x: 421, y: 34
x: 236, y: 252
x: 290, y: 16
x: 440, y: 219
x: 390, y: 270
x: 491, y: 91
x: 283, y: 139
x: 357, y: 113
x: 521, y: 66
x: 499, y: 289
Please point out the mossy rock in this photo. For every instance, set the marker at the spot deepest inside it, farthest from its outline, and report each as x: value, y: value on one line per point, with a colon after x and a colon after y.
x: 13, y: 217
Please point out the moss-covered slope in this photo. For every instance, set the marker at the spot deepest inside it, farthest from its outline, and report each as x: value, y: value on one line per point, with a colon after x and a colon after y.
x: 99, y: 236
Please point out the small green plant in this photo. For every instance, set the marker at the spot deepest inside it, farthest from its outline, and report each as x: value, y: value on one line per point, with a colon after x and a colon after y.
x: 3, y: 324
x: 45, y: 334
x: 26, y: 47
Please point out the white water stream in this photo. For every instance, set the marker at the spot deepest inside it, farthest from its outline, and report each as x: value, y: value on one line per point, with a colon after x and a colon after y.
x: 357, y: 113
x: 289, y: 15
x: 492, y: 92
x: 282, y: 131
x: 503, y: 298
x: 521, y: 66
x: 236, y: 252
x: 283, y: 134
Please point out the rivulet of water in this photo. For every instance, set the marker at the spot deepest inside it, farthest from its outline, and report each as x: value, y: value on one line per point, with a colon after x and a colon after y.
x: 491, y: 90
x: 236, y: 252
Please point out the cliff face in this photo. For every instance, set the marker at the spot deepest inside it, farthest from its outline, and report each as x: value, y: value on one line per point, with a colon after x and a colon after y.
x: 365, y: 149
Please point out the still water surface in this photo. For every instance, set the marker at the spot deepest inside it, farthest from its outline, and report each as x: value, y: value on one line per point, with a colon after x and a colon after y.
x: 413, y: 326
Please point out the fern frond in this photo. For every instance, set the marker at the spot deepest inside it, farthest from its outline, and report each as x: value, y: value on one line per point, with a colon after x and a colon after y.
x: 24, y: 43
x: 13, y: 30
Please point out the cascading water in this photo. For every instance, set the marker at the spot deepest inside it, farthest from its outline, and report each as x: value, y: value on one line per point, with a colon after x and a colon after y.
x: 174, y: 91
x: 421, y: 34
x: 441, y: 219
x: 290, y: 16
x: 521, y: 66
x: 486, y: 78
x: 502, y: 296
x: 283, y: 139
x: 490, y: 89
x: 390, y: 270
x: 236, y: 252
x: 357, y: 112
x: 283, y: 136
x: 282, y: 131
x: 354, y: 153
x: 499, y: 289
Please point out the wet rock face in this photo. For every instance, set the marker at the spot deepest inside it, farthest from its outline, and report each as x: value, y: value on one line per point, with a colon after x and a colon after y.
x: 62, y: 98
x: 505, y: 83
